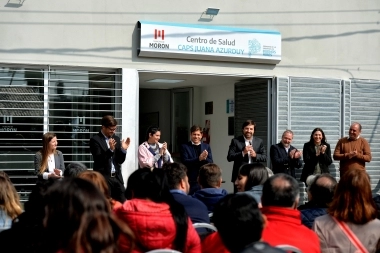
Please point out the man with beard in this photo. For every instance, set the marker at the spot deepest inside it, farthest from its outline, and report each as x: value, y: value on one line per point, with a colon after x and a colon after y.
x: 245, y: 149
x: 284, y: 157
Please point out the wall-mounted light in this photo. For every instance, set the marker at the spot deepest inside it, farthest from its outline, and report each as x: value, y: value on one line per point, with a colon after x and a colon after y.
x: 212, y: 11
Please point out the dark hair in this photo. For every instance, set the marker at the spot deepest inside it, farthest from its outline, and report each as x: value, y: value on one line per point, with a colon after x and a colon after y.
x: 78, y: 219
x: 322, y: 189
x: 256, y: 174
x: 353, y: 200
x: 151, y: 130
x: 109, y: 121
x: 249, y: 122
x: 323, y: 141
x: 280, y: 190
x: 209, y: 175
x: 196, y: 128
x: 175, y: 172
x: 73, y: 169
x: 144, y: 183
x: 238, y: 220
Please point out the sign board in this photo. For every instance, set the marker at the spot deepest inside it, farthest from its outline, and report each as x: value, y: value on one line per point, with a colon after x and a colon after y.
x: 199, y: 42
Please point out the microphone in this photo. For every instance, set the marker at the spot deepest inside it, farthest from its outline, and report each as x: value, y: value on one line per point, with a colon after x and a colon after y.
x: 249, y: 153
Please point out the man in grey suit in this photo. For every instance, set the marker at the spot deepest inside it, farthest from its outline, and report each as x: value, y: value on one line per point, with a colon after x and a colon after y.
x: 246, y: 149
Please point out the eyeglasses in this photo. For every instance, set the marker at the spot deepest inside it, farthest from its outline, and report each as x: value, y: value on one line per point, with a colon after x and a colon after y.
x: 112, y: 129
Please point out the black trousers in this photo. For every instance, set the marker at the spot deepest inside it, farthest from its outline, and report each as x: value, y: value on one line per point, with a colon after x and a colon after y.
x: 116, y: 188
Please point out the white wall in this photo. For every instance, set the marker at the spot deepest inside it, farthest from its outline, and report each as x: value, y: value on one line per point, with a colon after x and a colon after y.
x: 338, y: 39
x: 220, y: 140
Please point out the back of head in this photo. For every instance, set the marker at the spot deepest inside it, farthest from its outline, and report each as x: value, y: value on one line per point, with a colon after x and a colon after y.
x: 238, y: 220
x: 9, y: 198
x: 281, y: 190
x: 256, y: 174
x: 98, y: 180
x: 210, y: 176
x: 353, y: 200
x: 78, y: 219
x: 322, y: 189
x: 73, y: 169
x: 175, y: 172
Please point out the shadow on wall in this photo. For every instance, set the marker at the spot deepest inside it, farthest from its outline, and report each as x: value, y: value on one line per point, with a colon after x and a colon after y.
x: 14, y: 3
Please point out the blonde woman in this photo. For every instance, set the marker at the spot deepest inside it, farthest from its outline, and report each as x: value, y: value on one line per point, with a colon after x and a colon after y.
x: 48, y: 162
x: 10, y: 206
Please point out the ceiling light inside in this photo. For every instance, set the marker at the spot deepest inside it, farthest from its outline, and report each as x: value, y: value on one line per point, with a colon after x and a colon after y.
x: 165, y: 81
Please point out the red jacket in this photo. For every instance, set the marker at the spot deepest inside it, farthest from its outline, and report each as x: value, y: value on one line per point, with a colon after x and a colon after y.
x: 153, y: 226
x: 213, y: 244
x: 284, y: 227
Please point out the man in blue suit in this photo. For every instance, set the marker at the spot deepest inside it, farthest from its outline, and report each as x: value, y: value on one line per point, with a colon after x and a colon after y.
x: 194, y: 154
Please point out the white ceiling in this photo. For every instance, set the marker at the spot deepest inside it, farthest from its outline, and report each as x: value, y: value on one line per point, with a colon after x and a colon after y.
x: 191, y: 79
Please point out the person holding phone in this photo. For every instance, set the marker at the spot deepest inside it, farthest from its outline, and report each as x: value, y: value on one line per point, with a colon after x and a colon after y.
x: 316, y: 155
x: 48, y: 162
x: 151, y: 153
x: 109, y: 152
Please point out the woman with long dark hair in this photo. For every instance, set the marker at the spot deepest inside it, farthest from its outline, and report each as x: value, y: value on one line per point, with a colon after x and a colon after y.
x: 48, y: 162
x: 152, y: 153
x: 250, y: 180
x: 158, y: 221
x: 351, y: 214
x: 78, y: 220
x: 316, y: 155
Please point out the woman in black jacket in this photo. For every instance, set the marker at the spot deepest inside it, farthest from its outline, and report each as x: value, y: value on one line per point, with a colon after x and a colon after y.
x: 316, y: 155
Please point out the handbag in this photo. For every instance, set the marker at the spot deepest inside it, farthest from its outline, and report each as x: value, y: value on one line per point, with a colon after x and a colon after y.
x: 351, y: 236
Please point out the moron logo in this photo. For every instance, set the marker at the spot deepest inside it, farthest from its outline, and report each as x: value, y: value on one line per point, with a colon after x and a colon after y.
x: 159, y: 34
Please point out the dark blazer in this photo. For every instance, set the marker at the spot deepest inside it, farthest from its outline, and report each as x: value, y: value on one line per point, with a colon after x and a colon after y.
x: 103, y: 156
x: 235, y: 153
x: 190, y: 159
x: 281, y: 162
x: 311, y: 159
x: 59, y: 163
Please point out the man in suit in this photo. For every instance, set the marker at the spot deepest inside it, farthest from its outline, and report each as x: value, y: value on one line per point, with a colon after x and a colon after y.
x: 284, y: 157
x: 194, y: 155
x: 109, y: 153
x: 246, y: 149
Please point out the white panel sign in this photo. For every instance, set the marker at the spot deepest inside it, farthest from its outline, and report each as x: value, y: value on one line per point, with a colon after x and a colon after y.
x: 200, y: 42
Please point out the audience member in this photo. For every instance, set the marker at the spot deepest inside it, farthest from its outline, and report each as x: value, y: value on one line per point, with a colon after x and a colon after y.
x: 99, y: 181
x: 73, y: 169
x: 28, y: 224
x: 316, y: 155
x: 78, y: 219
x: 250, y: 180
x: 151, y: 153
x: 210, y: 181
x: 285, y: 158
x: 320, y: 192
x: 351, y: 224
x: 10, y: 206
x: 194, y: 154
x: 280, y: 200
x: 48, y: 162
x: 240, y: 224
x: 108, y: 153
x: 179, y: 188
x: 157, y: 220
x: 245, y: 149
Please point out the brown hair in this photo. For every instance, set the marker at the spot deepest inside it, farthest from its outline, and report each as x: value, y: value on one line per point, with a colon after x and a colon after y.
x: 109, y: 121
x: 249, y: 122
x: 209, y: 175
x: 352, y: 200
x: 9, y: 198
x: 196, y: 128
x: 99, y: 181
x: 46, y: 138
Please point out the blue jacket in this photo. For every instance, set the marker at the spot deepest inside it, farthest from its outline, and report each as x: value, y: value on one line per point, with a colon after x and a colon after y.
x: 210, y: 196
x: 308, y: 215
